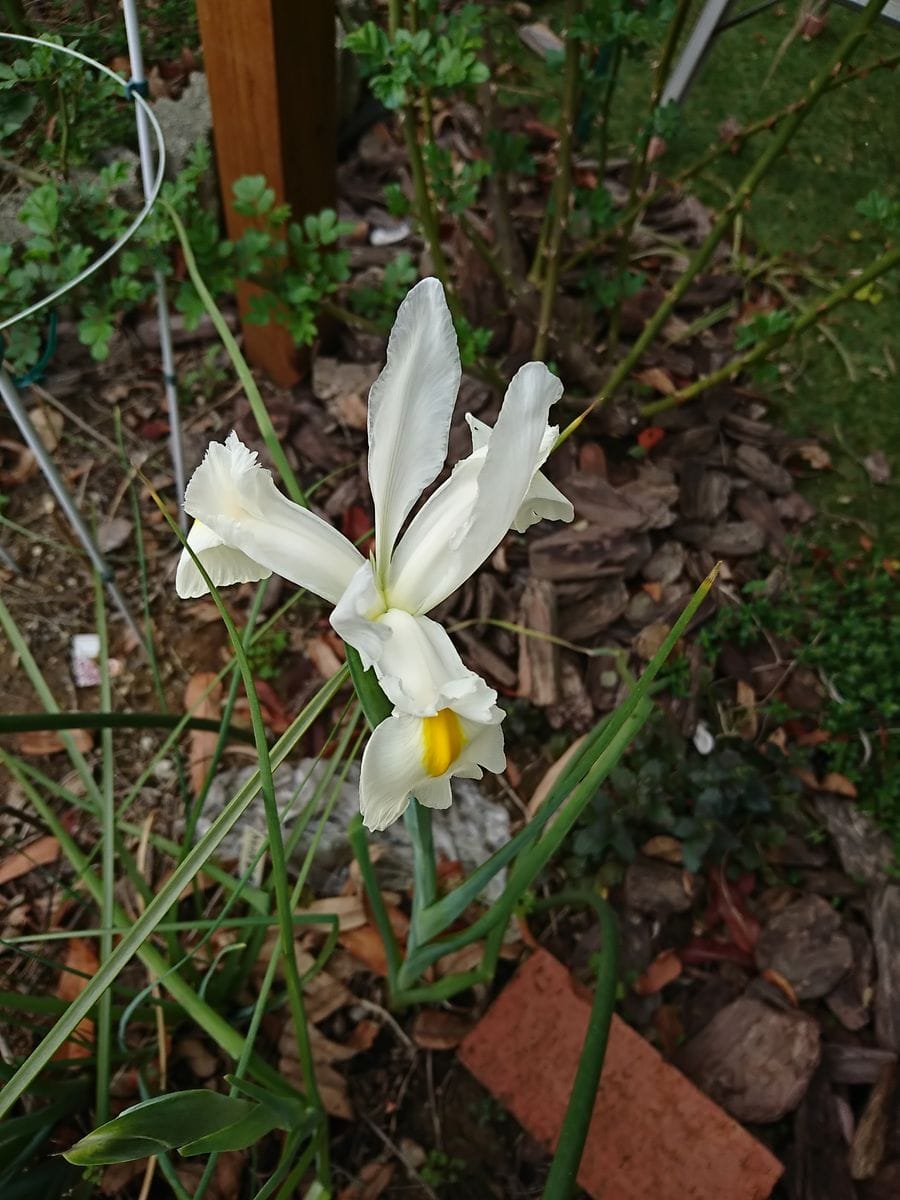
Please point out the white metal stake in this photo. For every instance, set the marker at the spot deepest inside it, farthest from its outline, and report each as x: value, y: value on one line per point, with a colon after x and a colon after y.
x: 17, y: 411
x: 145, y: 149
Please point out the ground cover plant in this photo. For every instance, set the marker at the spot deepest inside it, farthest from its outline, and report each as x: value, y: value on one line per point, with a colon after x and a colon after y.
x: 213, y: 1002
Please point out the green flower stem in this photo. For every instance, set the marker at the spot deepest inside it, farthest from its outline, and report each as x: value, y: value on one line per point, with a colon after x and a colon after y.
x: 810, y: 316
x: 377, y: 707
x: 359, y: 844
x: 734, y: 206
x: 493, y: 923
x: 418, y: 825
x: 563, y: 189
x: 257, y: 405
x: 563, y: 1175
x: 108, y: 867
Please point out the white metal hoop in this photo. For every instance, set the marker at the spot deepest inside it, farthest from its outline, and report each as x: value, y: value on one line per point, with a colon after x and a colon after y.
x: 149, y: 201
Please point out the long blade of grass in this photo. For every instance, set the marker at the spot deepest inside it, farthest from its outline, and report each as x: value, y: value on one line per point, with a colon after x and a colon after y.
x: 134, y: 939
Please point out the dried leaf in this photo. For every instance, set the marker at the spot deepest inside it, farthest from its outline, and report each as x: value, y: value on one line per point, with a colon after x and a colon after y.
x: 665, y: 847
x: 667, y: 1023
x: 48, y: 425
x: 365, y: 943
x: 324, y: 656
x: 747, y: 724
x: 840, y: 784
x: 39, y: 853
x: 36, y: 742
x: 17, y: 463
x: 113, y: 533
x: 551, y: 775
x: 199, y: 704
x: 814, y: 455
x: 664, y: 969
x: 876, y: 464
x: 778, y: 980
x: 80, y: 966
x: 658, y: 379
x: 370, y: 1183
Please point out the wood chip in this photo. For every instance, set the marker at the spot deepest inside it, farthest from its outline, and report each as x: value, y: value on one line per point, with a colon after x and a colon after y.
x: 760, y: 468
x: 885, y: 923
x: 870, y: 1140
x: 754, y: 1060
x: 538, y: 657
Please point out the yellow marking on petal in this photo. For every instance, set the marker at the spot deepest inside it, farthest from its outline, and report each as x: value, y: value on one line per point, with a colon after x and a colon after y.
x: 443, y: 739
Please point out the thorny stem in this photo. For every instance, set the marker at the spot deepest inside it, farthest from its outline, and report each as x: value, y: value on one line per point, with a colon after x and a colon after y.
x: 425, y: 208
x: 560, y: 216
x: 810, y: 316
x: 743, y: 193
x: 23, y: 173
x: 639, y: 167
x: 606, y: 109
x: 724, y: 147
x: 508, y: 246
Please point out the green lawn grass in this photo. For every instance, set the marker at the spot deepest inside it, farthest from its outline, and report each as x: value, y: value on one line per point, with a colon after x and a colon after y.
x: 805, y: 213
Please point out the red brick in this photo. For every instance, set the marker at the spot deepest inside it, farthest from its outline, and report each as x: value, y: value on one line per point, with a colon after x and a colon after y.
x: 653, y: 1134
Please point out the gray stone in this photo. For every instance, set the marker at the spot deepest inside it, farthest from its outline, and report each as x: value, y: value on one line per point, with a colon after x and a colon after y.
x: 469, y: 831
x: 184, y: 122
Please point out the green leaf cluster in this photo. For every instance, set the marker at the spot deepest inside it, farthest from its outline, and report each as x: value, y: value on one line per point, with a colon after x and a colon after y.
x: 441, y: 56
x: 726, y: 803
x: 840, y: 619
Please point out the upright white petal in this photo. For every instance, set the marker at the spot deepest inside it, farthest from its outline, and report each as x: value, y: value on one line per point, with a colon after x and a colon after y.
x: 543, y: 501
x: 410, y: 406
x: 395, y: 767
x: 236, y: 498
x: 223, y: 564
x: 420, y: 670
x: 468, y: 516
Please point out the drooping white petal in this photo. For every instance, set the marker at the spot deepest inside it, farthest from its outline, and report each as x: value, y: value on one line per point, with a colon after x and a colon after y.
x: 394, y: 766
x: 355, y: 616
x: 236, y: 498
x: 223, y: 564
x: 421, y: 672
x: 410, y: 406
x: 468, y: 516
x: 543, y: 501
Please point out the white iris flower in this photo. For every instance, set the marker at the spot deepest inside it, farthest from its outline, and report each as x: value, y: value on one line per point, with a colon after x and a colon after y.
x: 445, y: 719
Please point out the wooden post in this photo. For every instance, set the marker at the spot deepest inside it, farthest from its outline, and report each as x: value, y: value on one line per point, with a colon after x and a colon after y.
x: 270, y: 65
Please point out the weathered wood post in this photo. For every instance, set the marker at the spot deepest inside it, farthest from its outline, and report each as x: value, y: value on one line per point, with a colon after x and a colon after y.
x: 270, y: 65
